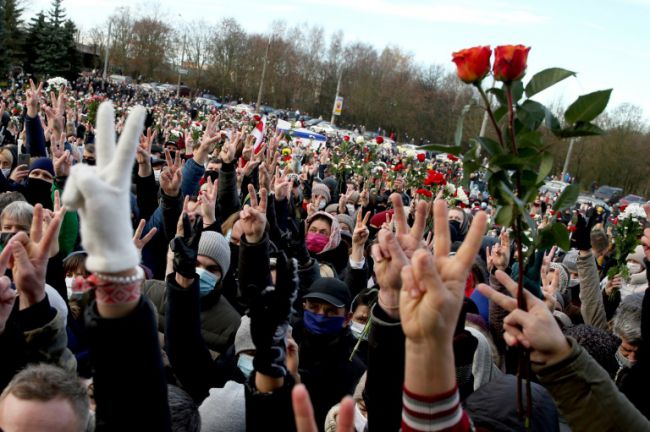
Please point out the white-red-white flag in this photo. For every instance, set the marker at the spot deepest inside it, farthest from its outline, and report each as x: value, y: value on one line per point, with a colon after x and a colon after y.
x: 258, y: 133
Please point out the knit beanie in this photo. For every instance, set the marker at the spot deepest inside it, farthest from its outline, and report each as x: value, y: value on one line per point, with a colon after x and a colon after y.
x: 570, y: 261
x: 243, y: 339
x: 214, y: 245
x: 564, y: 276
x: 345, y: 219
x: 42, y: 163
x: 322, y: 190
x: 332, y: 208
x: 600, y: 344
x: 637, y: 256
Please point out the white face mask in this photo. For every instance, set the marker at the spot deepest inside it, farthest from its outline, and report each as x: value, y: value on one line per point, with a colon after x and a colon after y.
x: 156, y: 175
x: 357, y: 329
x: 350, y: 208
x: 6, y: 172
x: 360, y: 420
x: 322, y: 204
x: 634, y: 268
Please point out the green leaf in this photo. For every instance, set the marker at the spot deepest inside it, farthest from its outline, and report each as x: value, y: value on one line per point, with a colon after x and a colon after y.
x: 567, y: 198
x: 499, y: 94
x: 581, y: 129
x: 458, y: 137
x: 545, y: 167
x: 517, y: 90
x: 507, y: 161
x: 587, y: 107
x: 552, y: 123
x: 546, y: 238
x: 504, y: 215
x: 499, y: 113
x: 489, y: 145
x: 545, y: 79
x: 531, y: 114
x: 561, y: 236
x: 529, y: 139
x: 455, y: 150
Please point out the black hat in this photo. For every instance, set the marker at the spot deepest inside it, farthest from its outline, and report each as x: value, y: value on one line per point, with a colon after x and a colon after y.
x: 331, y: 290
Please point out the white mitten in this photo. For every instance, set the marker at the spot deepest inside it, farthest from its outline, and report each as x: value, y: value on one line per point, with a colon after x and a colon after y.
x: 101, y: 194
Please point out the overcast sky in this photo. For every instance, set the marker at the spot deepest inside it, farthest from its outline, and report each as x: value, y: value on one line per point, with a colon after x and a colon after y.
x: 605, y: 41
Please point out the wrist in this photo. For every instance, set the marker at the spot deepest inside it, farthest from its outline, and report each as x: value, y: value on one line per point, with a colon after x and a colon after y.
x: 561, y: 352
x: 183, y: 282
x: 27, y: 299
x: 389, y: 302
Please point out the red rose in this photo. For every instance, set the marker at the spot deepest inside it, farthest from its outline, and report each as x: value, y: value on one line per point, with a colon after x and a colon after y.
x: 257, y: 118
x: 622, y: 208
x: 287, y: 158
x: 472, y: 64
x: 379, y: 139
x: 398, y: 167
x: 452, y: 158
x: 509, y: 62
x: 421, y: 157
x: 346, y: 138
x: 615, y: 221
x: 434, y: 178
x: 572, y: 228
x: 425, y: 192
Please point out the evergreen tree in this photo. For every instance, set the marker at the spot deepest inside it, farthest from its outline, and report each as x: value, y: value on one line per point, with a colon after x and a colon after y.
x: 3, y: 51
x: 34, y: 45
x: 14, y: 35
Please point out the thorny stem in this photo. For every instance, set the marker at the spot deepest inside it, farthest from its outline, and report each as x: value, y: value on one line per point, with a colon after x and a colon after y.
x: 524, y: 355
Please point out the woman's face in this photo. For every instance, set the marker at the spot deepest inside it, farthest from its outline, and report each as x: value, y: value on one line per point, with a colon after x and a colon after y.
x: 456, y: 215
x: 320, y: 226
x: 4, y: 161
x: 361, y: 314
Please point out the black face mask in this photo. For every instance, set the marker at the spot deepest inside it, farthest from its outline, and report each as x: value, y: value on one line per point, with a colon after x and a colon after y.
x: 212, y: 174
x: 90, y: 162
x: 5, y: 237
x: 39, y: 191
x: 454, y: 230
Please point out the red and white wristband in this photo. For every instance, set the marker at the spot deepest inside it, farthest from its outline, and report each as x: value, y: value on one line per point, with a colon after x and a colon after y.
x: 111, y: 289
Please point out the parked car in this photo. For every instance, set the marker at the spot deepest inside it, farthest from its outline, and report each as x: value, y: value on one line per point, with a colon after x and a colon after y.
x: 324, y: 128
x: 595, y: 202
x: 553, y: 187
x: 630, y: 199
x: 609, y: 194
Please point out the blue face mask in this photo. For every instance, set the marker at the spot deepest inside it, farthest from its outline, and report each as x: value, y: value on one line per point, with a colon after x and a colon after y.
x: 323, y: 325
x: 207, y: 281
x: 245, y: 364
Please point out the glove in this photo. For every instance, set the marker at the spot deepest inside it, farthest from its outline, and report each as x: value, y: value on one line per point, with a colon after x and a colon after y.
x: 186, y: 248
x: 269, y: 312
x: 581, y: 238
x: 100, y: 194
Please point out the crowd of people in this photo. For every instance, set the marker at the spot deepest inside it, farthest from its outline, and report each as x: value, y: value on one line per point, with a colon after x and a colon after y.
x: 169, y: 267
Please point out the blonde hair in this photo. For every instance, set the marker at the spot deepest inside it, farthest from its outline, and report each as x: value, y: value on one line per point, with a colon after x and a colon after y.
x: 7, y: 153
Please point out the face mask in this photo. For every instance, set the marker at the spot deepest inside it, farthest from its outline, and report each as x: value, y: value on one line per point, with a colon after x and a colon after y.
x: 360, y: 421
x: 316, y: 242
x: 228, y: 235
x: 322, y: 204
x: 323, y: 325
x: 156, y: 175
x: 5, y: 237
x: 245, y: 364
x: 6, y: 172
x: 39, y: 192
x: 622, y: 360
x: 350, y: 208
x: 68, y: 282
x: 634, y: 268
x: 357, y: 330
x: 574, y: 282
x: 214, y: 175
x: 207, y: 281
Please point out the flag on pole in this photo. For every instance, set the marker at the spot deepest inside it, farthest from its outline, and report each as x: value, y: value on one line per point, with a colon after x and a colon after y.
x: 258, y: 133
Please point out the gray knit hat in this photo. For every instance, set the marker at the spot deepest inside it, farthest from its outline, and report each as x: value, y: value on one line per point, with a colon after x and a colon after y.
x: 343, y: 218
x: 243, y: 339
x: 332, y: 208
x: 564, y: 276
x: 570, y: 261
x: 322, y: 190
x: 214, y: 245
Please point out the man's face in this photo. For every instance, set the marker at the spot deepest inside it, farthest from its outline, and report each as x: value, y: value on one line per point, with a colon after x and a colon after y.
x: 456, y: 215
x: 321, y: 307
x: 628, y: 350
x: 17, y: 415
x: 41, y: 175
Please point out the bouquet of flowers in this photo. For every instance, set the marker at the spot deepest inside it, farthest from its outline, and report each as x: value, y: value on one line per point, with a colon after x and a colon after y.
x: 626, y: 232
x: 56, y: 84
x: 93, y: 104
x: 196, y: 128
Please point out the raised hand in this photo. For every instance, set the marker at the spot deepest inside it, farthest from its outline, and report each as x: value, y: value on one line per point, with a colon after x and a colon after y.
x: 389, y: 260
x: 229, y: 149
x: 7, y: 293
x: 171, y: 176
x: 410, y: 239
x: 303, y: 412
x: 101, y: 194
x: 546, y: 264
x: 138, y: 240
x: 433, y: 286
x: 253, y: 216
x: 33, y: 96
x: 210, y: 136
x: 361, y: 232
x: 143, y: 153
x: 30, y: 256
x: 282, y: 186
x: 55, y: 120
x: 20, y: 173
x: 535, y: 329
x: 270, y: 308
x: 61, y: 158
x: 208, y: 202
x: 185, y: 247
